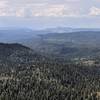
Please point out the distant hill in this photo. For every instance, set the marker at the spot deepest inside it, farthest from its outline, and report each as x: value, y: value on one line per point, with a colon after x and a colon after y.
x: 82, y: 43
x: 14, y: 34
x: 18, y: 34
x: 81, y: 38
x: 17, y: 53
x: 62, y: 41
x: 64, y: 30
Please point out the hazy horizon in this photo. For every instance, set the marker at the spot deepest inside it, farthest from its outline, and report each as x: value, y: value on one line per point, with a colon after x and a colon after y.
x: 39, y: 14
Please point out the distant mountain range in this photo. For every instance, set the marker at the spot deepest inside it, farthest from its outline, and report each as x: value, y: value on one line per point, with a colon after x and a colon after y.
x: 66, y: 30
x: 16, y: 34
x: 82, y: 43
x: 61, y: 41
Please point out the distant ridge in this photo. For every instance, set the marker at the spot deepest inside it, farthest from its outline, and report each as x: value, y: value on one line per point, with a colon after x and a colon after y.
x: 17, y: 53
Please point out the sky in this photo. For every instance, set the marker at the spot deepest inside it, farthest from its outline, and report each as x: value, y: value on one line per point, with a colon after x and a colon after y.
x: 50, y: 13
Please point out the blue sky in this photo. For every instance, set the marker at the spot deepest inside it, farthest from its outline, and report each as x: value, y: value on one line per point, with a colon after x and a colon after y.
x: 50, y: 13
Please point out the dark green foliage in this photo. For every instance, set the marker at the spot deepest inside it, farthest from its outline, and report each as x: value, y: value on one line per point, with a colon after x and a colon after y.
x: 48, y: 79
x: 17, y: 53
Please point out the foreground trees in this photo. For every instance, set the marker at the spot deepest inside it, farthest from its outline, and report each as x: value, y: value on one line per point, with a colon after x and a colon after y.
x: 49, y: 80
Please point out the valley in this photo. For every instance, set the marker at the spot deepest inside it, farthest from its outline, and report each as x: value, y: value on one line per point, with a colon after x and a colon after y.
x: 56, y: 66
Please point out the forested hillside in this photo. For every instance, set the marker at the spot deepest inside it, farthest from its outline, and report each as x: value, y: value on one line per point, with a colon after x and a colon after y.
x: 72, y: 44
x: 17, y: 53
x: 46, y: 79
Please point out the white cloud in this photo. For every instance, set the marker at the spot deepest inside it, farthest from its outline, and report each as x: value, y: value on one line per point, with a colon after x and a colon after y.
x: 58, y: 8
x: 72, y: 0
x: 3, y: 4
x: 36, y: 9
x: 50, y: 10
x: 94, y: 11
x: 20, y: 12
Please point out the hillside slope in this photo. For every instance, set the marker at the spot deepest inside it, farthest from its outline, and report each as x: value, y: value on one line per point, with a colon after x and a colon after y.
x: 17, y: 53
x: 83, y: 43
